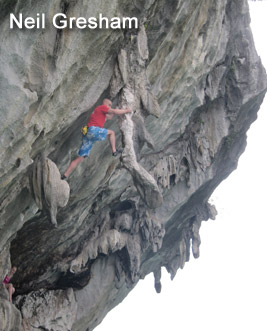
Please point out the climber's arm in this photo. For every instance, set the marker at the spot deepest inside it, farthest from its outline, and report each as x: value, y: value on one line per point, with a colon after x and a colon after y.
x: 109, y: 116
x: 117, y: 111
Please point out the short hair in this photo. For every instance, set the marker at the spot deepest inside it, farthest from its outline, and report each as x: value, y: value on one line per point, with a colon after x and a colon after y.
x: 106, y: 100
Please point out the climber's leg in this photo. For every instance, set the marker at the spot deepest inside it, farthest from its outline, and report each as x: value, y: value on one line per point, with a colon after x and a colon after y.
x: 112, y: 140
x: 84, y: 151
x: 93, y: 134
x: 73, y: 165
x: 11, y: 290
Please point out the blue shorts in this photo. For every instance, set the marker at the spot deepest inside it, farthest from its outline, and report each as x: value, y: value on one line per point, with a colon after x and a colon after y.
x: 94, y: 133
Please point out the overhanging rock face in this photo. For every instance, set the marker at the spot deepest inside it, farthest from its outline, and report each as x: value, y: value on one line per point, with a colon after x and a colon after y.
x: 192, y: 76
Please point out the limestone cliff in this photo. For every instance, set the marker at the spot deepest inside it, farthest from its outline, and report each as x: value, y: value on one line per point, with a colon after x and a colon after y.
x: 192, y: 76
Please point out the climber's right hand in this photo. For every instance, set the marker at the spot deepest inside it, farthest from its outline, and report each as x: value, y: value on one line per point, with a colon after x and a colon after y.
x: 129, y: 110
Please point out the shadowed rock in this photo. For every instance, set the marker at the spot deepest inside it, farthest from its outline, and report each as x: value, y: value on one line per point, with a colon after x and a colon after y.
x: 195, y: 82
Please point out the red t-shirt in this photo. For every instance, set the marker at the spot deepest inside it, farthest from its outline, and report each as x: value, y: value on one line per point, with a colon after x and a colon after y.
x: 98, y: 117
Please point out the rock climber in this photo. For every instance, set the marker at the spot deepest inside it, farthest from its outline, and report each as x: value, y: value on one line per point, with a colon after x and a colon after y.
x: 8, y: 285
x: 97, y: 132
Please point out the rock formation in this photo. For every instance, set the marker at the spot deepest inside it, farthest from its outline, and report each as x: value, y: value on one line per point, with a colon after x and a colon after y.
x: 10, y: 316
x: 192, y: 76
x: 48, y: 190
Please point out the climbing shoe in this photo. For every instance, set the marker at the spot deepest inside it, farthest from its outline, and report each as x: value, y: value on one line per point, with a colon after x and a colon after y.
x: 117, y: 152
x: 63, y: 177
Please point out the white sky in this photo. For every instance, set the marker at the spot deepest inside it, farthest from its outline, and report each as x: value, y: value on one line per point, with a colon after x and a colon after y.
x: 226, y: 288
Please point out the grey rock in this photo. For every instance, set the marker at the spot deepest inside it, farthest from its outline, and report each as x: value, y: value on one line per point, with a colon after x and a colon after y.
x: 49, y: 191
x: 191, y: 74
x: 144, y: 182
x: 48, y: 310
x: 132, y: 65
x: 5, y: 265
x: 157, y: 276
x: 10, y: 316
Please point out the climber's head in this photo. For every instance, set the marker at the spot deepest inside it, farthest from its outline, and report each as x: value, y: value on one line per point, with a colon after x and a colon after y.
x: 107, y: 102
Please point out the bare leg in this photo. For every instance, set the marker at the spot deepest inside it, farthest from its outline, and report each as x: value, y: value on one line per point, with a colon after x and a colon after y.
x: 11, y: 290
x: 112, y: 140
x: 73, y: 165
